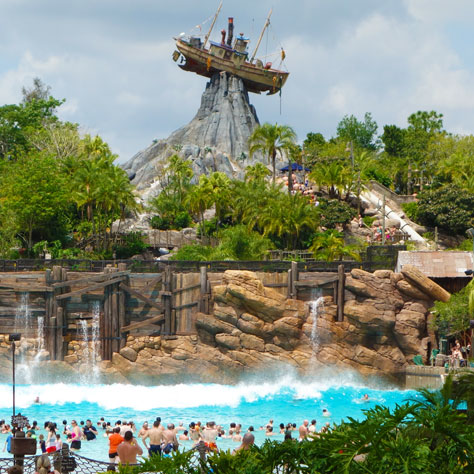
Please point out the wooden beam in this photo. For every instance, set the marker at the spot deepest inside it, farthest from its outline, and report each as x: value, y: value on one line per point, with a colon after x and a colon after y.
x: 87, y: 289
x: 186, y: 288
x: 26, y: 289
x: 153, y: 282
x: 187, y: 305
x: 315, y: 283
x: 156, y: 319
x: 141, y: 297
x: 90, y: 279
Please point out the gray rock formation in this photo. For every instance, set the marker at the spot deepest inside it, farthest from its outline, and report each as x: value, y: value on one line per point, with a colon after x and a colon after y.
x: 214, y: 140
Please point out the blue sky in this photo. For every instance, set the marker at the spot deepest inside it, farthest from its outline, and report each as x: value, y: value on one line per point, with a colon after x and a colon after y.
x: 111, y: 61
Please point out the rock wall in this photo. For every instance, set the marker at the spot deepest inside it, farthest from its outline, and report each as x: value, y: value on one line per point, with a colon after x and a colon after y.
x: 255, y: 328
x: 215, y: 139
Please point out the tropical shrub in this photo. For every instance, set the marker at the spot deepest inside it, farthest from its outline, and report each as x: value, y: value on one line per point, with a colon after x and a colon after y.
x: 335, y: 212
x: 450, y: 208
x: 133, y: 244
x: 411, y: 210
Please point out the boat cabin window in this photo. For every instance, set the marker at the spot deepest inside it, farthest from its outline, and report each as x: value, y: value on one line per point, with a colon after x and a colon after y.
x: 217, y: 51
x: 195, y: 41
x: 241, y: 44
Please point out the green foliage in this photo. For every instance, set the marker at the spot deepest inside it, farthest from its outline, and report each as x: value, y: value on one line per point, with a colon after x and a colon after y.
x: 329, y: 246
x: 32, y: 190
x: 242, y: 244
x: 175, y: 179
x: 453, y: 317
x: 449, y: 208
x: 133, y: 244
x: 161, y: 223
x: 236, y: 243
x: 272, y: 140
x: 411, y: 210
x: 377, y: 175
x: 368, y: 220
x: 361, y: 133
x: 335, y: 212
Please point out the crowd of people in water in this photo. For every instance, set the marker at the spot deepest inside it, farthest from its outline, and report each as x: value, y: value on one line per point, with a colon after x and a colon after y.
x: 127, y: 442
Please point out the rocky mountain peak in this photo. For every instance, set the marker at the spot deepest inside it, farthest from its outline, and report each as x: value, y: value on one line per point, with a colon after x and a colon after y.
x: 215, y: 139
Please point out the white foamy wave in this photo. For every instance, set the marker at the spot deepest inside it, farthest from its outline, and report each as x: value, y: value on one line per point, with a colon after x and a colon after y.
x: 178, y: 396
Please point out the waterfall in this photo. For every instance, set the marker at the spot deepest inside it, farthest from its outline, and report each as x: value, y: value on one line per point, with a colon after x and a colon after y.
x: 90, y: 344
x: 95, y: 347
x: 31, y: 347
x: 39, y: 346
x: 83, y: 336
x: 315, y: 307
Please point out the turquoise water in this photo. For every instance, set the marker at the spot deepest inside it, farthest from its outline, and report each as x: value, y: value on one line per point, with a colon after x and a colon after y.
x: 287, y: 399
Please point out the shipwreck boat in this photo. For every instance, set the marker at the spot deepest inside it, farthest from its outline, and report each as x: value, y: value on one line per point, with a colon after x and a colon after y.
x: 231, y: 57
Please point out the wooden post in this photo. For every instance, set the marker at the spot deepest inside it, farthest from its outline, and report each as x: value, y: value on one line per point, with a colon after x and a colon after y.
x: 115, y: 318
x: 294, y: 279
x: 340, y: 292
x: 53, y: 335
x: 60, y: 334
x: 203, y: 282
x: 289, y: 284
x: 166, y: 299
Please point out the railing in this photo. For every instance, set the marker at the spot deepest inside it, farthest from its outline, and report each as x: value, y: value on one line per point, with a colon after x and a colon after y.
x: 377, y: 257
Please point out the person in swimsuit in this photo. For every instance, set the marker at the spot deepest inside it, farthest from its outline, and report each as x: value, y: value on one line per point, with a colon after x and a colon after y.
x: 114, y: 440
x: 156, y: 438
x: 76, y: 435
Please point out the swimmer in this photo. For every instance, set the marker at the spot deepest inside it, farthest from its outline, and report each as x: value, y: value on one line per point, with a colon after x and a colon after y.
x: 37, y: 401
x: 184, y: 436
x: 365, y: 398
x: 326, y: 413
x: 269, y: 431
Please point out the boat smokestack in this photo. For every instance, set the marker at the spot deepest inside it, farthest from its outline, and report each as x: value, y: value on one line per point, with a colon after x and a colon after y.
x: 223, y: 37
x: 231, y: 31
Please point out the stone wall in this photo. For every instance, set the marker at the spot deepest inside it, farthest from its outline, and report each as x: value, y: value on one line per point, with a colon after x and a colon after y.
x: 255, y: 328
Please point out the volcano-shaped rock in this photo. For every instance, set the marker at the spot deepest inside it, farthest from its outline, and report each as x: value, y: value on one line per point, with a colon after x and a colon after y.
x: 215, y: 140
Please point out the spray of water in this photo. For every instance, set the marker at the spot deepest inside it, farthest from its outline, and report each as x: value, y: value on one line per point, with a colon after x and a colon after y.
x: 315, y: 307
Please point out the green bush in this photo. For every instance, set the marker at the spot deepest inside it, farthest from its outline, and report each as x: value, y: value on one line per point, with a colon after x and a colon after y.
x: 133, y: 244
x: 368, y: 220
x: 411, y: 210
x: 335, y: 212
x: 182, y: 220
x: 160, y: 223
x: 450, y: 208
x: 377, y: 175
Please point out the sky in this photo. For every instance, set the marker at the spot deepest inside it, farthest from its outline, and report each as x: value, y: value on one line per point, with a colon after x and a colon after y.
x: 111, y: 61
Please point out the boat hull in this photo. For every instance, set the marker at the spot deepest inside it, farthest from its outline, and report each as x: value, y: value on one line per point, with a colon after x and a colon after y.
x: 256, y: 79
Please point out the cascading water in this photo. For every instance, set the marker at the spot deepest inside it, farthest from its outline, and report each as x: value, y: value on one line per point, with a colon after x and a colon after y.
x: 95, y: 346
x: 90, y: 343
x: 315, y: 307
x: 32, y: 341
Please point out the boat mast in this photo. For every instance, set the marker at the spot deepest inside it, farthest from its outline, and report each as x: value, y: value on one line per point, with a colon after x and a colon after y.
x: 212, y: 26
x: 261, y: 35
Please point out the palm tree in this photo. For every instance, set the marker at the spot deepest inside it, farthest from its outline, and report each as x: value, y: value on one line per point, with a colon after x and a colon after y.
x: 219, y: 184
x: 286, y: 216
x: 199, y: 199
x: 272, y: 140
x: 257, y: 172
x: 330, y: 246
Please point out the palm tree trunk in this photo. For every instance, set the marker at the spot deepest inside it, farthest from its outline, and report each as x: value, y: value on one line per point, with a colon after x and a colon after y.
x: 290, y: 176
x: 274, y: 165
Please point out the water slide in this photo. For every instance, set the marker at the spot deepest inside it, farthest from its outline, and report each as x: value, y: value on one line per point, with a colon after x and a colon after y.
x: 375, y: 200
